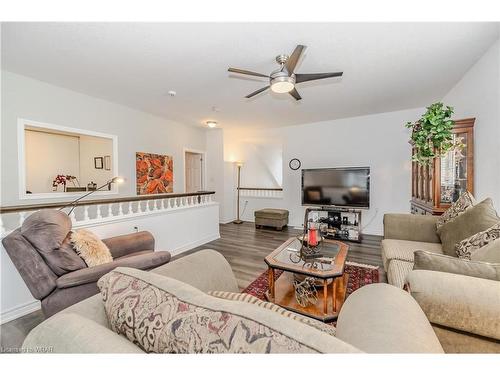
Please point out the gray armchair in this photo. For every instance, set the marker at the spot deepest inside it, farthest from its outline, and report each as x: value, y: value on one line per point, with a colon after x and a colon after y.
x: 59, y: 278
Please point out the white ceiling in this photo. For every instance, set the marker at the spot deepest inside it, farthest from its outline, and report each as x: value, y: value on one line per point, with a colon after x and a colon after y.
x: 387, y: 66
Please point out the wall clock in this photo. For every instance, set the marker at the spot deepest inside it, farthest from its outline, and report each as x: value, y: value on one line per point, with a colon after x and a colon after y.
x: 294, y: 164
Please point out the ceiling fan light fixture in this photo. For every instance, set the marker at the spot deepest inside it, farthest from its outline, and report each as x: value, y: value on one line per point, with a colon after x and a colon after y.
x: 282, y: 85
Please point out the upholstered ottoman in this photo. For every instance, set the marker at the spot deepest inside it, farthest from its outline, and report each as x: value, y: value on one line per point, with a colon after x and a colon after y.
x: 271, y: 217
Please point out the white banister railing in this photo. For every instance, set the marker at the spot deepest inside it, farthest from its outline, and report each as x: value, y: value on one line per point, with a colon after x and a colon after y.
x: 261, y: 193
x: 104, y: 211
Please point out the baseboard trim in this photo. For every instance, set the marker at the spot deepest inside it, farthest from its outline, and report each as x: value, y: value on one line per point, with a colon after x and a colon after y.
x: 18, y: 311
x: 194, y: 244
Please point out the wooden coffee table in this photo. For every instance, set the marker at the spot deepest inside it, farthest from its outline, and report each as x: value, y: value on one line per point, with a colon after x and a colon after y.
x: 328, y: 271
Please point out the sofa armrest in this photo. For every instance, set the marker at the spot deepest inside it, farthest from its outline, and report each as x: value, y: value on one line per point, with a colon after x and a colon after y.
x: 72, y: 333
x: 206, y: 270
x: 380, y: 318
x: 465, y: 303
x: 409, y: 227
x: 130, y: 243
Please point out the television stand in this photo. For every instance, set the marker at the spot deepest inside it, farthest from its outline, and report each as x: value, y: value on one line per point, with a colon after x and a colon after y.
x: 343, y: 224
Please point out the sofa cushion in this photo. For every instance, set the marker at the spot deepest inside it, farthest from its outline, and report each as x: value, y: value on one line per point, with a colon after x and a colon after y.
x: 488, y: 253
x: 465, y: 201
x: 163, y: 315
x: 475, y: 219
x: 465, y: 248
x: 93, y: 251
x: 48, y: 232
x: 248, y: 298
x: 445, y: 263
x: 403, y: 250
x: 143, y: 261
x: 464, y: 303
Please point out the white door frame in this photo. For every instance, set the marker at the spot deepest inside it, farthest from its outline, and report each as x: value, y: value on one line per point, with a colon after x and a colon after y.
x: 203, y: 166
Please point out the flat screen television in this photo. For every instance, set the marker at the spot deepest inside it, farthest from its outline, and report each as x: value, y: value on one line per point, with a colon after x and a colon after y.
x: 337, y: 187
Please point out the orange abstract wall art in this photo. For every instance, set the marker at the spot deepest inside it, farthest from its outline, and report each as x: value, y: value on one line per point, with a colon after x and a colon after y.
x: 154, y: 173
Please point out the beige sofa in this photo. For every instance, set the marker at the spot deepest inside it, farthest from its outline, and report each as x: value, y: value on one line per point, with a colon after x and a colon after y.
x: 377, y: 318
x: 464, y: 311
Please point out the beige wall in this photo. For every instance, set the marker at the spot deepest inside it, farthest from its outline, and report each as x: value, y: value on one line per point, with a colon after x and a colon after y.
x: 91, y: 147
x: 48, y: 155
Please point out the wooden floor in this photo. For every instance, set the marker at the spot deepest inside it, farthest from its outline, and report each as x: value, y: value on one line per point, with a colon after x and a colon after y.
x: 243, y: 246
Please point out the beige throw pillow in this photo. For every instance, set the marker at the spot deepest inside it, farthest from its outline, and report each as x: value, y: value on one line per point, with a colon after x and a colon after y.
x: 425, y: 260
x: 466, y: 247
x: 93, y: 251
x: 473, y: 220
x: 489, y: 253
x: 465, y: 201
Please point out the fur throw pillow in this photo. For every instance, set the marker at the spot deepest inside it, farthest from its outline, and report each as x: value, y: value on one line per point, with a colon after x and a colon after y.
x: 90, y: 248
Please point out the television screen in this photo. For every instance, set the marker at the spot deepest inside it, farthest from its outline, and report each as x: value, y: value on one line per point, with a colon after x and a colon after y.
x: 343, y: 187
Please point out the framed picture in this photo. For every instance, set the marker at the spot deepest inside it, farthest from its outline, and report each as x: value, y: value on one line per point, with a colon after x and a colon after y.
x: 107, y: 162
x: 154, y: 173
x: 98, y: 162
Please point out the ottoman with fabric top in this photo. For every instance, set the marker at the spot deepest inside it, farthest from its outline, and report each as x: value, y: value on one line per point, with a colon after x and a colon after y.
x: 271, y: 217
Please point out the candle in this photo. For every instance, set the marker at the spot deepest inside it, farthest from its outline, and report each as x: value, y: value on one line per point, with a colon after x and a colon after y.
x: 312, y: 237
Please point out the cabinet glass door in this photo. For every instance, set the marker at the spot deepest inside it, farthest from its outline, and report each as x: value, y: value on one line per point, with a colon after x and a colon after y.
x: 454, y: 170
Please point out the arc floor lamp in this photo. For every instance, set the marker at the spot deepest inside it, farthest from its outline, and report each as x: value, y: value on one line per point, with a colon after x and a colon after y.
x: 239, y: 164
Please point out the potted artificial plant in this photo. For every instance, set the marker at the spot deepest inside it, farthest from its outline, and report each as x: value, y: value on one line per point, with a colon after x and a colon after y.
x: 432, y: 135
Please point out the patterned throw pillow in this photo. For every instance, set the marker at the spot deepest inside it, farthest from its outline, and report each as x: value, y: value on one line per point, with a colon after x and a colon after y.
x: 465, y: 201
x: 139, y: 307
x: 244, y: 297
x: 466, y: 247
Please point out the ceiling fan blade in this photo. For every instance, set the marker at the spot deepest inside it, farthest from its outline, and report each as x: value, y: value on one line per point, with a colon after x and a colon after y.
x: 295, y: 94
x: 257, y: 92
x: 314, y: 76
x: 247, y: 72
x: 292, y: 61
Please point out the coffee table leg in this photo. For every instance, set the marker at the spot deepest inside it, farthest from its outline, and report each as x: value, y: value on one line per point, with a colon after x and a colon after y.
x: 325, y: 296
x: 270, y: 274
x: 334, y: 294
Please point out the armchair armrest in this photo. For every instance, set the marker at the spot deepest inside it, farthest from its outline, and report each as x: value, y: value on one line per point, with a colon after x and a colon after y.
x: 130, y: 243
x: 145, y: 261
x: 465, y: 303
x: 409, y: 227
x: 206, y: 270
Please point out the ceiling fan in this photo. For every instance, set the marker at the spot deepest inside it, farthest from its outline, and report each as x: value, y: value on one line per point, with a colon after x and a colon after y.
x: 284, y: 79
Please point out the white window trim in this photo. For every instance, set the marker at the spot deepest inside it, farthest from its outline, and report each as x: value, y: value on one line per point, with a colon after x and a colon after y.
x: 21, y: 124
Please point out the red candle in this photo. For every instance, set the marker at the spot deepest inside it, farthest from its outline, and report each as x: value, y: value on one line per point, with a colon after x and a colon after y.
x: 312, y: 237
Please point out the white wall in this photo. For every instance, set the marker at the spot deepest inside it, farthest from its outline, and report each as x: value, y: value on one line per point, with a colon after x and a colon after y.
x: 379, y: 141
x: 261, y: 153
x: 23, y: 97
x: 477, y: 95
x: 215, y: 165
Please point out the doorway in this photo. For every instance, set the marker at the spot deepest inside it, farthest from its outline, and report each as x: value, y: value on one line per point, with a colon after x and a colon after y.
x: 194, y: 162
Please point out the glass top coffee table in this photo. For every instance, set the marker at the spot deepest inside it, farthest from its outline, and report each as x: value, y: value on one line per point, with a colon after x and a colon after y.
x: 313, y: 286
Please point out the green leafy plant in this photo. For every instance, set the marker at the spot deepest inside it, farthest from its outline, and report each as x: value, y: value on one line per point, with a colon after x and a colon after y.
x: 431, y: 135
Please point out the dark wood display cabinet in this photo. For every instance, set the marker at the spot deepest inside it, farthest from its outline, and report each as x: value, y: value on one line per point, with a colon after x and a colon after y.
x: 436, y: 186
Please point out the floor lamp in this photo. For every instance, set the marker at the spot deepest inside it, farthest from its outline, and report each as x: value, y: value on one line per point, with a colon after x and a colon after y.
x: 239, y: 164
